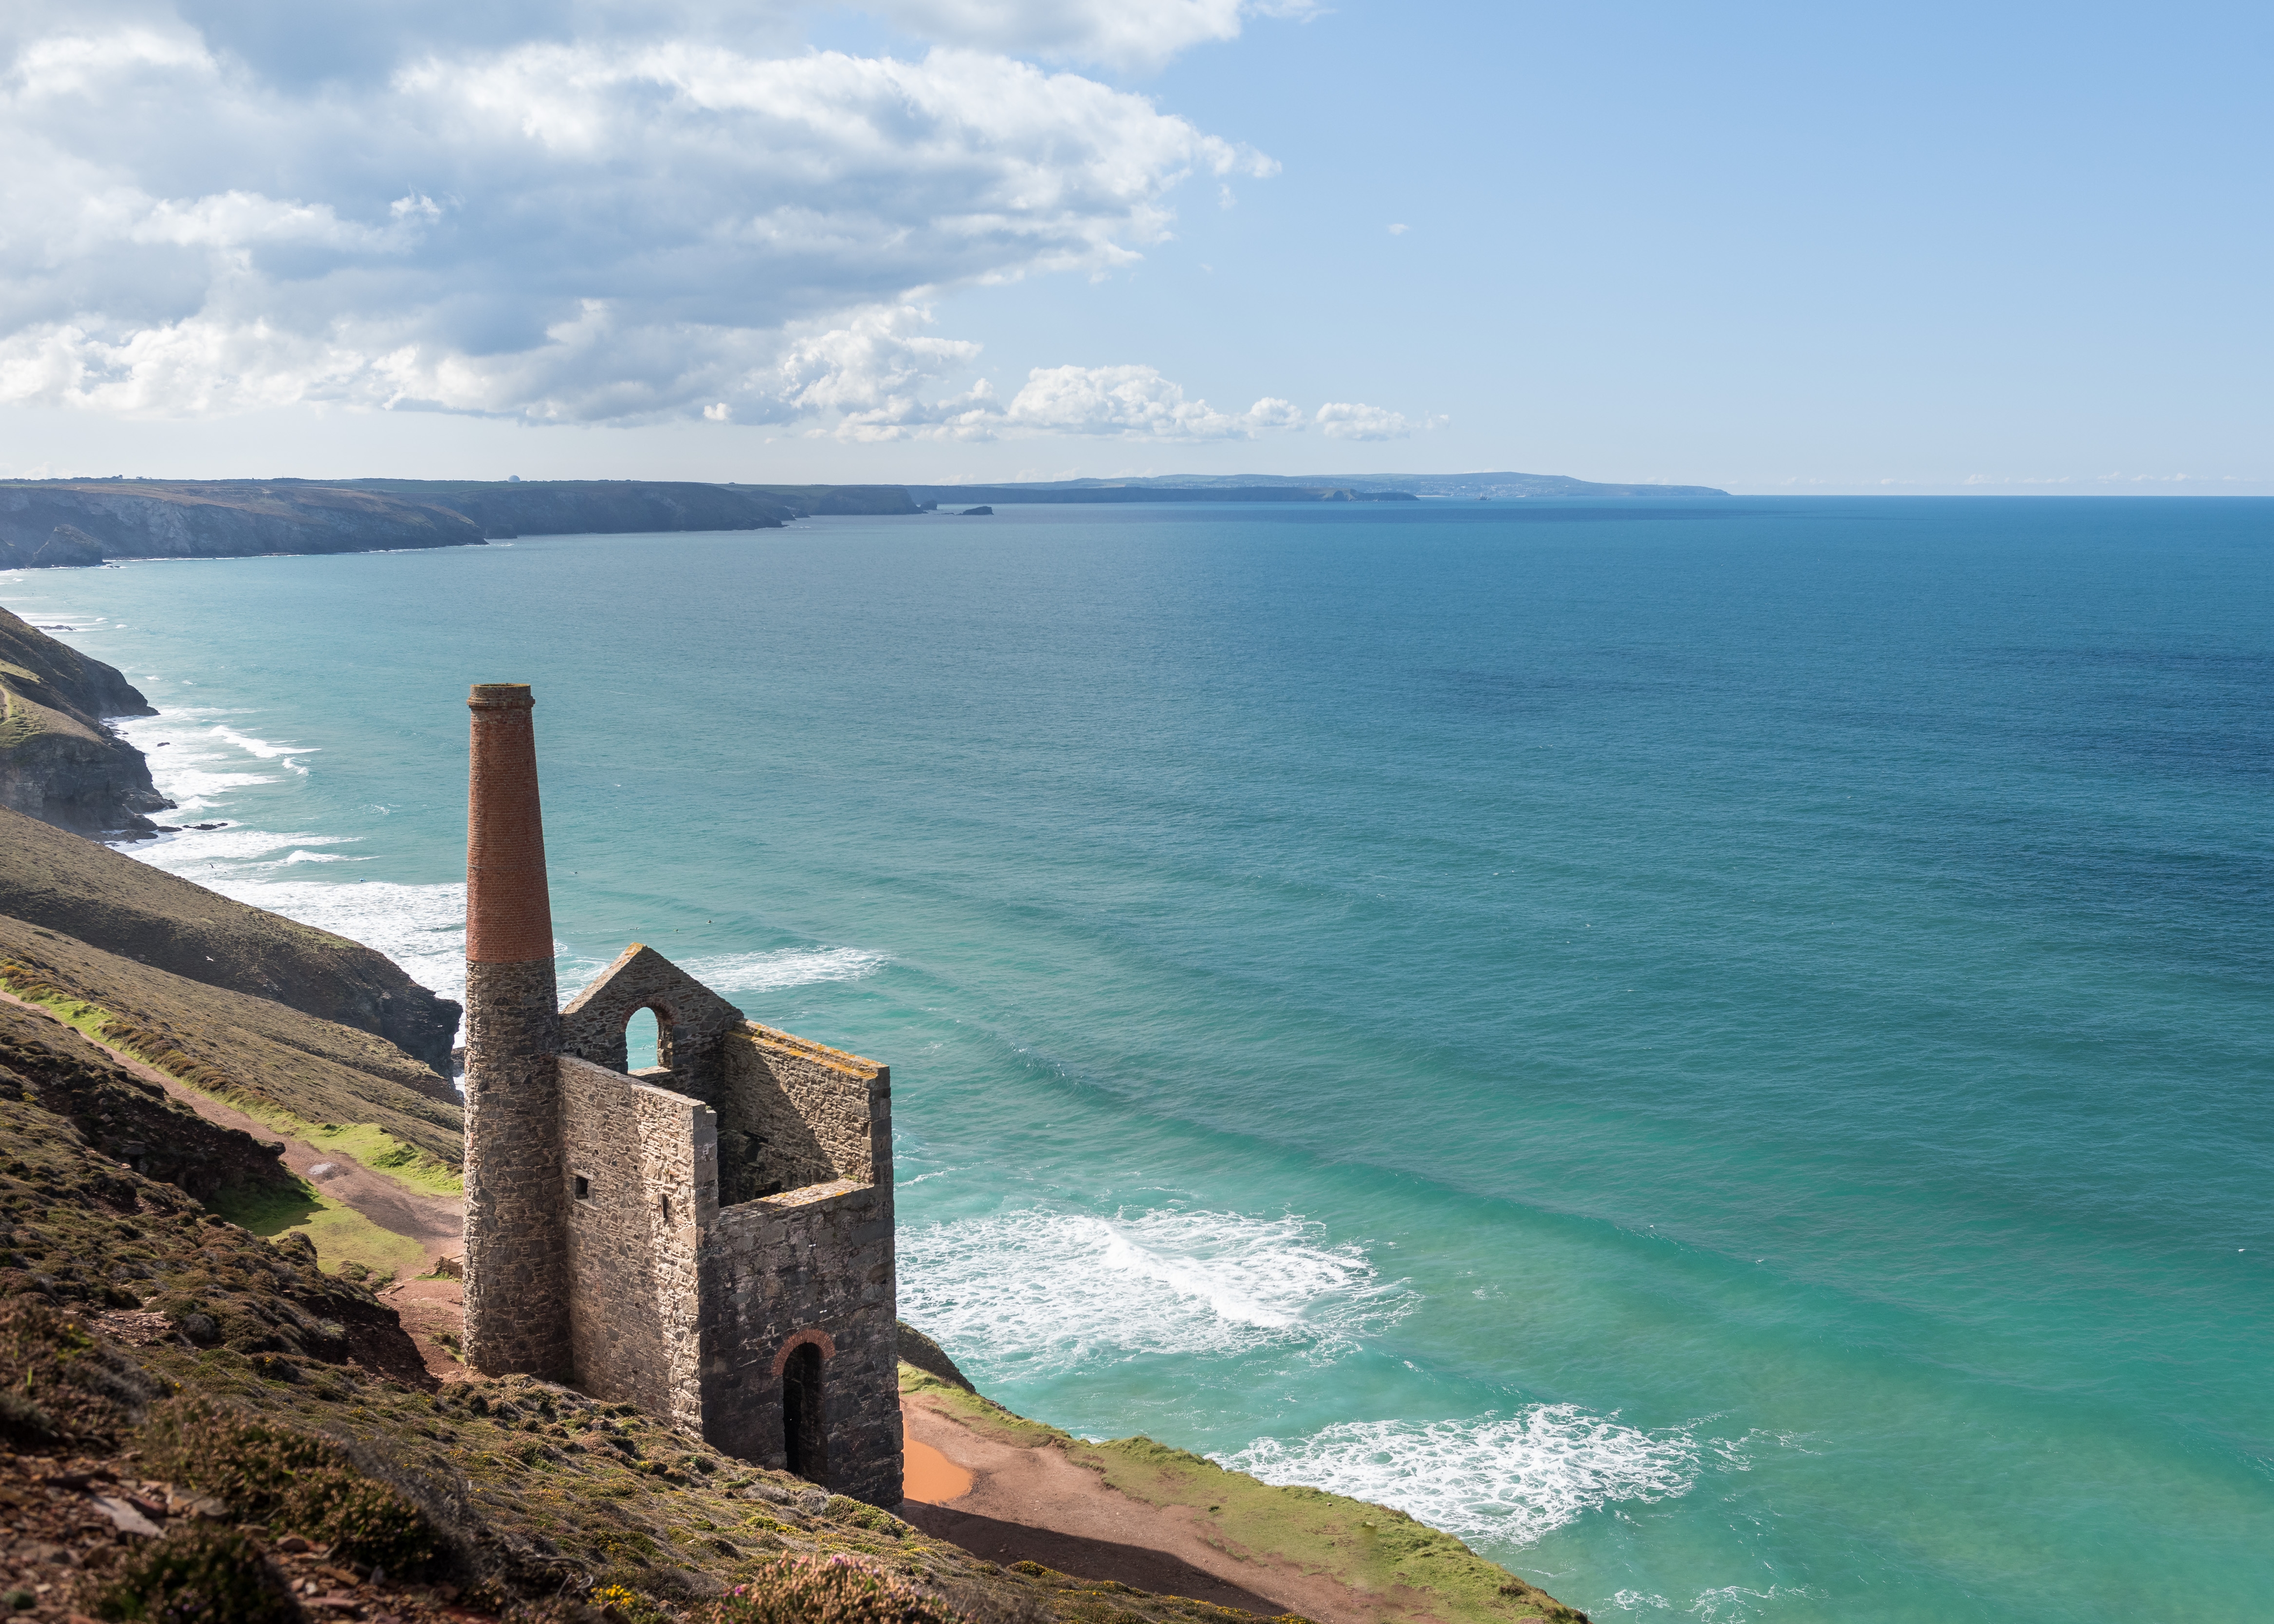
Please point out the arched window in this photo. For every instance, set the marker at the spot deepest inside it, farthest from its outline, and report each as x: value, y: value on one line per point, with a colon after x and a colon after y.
x: 643, y: 1041
x: 805, y: 1439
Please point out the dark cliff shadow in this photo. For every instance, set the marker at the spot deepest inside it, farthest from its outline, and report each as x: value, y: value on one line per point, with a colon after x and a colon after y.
x: 1007, y: 1543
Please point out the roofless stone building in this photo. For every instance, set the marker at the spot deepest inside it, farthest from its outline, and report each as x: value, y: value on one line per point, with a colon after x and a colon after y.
x: 709, y: 1239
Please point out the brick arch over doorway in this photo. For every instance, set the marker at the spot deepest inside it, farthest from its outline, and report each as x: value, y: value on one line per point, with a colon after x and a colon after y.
x: 812, y: 1336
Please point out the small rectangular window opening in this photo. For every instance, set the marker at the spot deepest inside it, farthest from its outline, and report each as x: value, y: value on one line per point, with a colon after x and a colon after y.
x: 583, y: 1188
x: 666, y: 1209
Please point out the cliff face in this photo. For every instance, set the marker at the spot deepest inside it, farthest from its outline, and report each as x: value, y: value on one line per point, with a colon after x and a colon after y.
x: 590, y: 506
x: 82, y: 521
x: 49, y: 523
x: 108, y: 901
x: 58, y: 762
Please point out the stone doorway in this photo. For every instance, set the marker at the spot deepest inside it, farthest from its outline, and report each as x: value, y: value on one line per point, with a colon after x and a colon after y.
x: 805, y: 1439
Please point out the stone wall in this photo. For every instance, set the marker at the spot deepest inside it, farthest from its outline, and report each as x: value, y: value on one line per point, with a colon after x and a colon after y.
x: 792, y: 1113
x: 516, y: 1288
x: 640, y: 1171
x: 812, y: 1265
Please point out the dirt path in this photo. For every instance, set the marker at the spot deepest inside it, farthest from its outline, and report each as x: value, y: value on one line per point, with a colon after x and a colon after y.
x: 432, y: 1222
x: 1035, y: 1505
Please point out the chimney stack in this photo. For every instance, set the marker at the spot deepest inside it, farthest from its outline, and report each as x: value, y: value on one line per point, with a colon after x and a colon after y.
x: 516, y: 1295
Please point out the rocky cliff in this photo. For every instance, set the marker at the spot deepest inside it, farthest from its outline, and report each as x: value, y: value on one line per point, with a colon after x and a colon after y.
x: 50, y: 523
x: 637, y: 507
x: 87, y: 891
x: 590, y: 506
x: 58, y: 762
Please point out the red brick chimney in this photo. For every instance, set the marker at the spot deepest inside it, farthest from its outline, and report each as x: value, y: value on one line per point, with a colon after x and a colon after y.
x: 508, y: 910
x: 516, y: 1280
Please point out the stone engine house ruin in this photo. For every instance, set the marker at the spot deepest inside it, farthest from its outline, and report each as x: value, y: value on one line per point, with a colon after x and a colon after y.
x: 710, y: 1238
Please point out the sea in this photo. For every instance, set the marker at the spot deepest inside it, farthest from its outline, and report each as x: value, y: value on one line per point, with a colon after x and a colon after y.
x: 1721, y: 1052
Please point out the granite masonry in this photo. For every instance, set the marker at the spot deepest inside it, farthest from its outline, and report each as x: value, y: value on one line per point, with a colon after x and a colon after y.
x: 710, y: 1238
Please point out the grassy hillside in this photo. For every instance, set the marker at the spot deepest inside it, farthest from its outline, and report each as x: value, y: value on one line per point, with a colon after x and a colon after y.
x: 74, y: 886
x: 295, y: 1072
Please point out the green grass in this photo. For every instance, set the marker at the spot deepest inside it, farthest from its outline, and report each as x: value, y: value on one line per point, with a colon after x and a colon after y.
x: 416, y: 1170
x: 340, y: 1234
x: 382, y: 1152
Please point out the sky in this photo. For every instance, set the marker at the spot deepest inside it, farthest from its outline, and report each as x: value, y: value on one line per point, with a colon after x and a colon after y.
x: 1771, y: 248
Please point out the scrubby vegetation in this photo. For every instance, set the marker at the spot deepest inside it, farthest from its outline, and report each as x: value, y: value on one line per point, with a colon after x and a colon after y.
x: 201, y: 1576
x: 840, y: 1590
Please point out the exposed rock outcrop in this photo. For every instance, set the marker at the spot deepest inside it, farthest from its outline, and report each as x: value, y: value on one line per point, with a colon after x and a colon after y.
x: 110, y: 901
x: 58, y: 762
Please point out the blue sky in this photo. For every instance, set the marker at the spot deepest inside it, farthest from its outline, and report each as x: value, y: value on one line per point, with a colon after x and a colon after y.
x: 1815, y: 250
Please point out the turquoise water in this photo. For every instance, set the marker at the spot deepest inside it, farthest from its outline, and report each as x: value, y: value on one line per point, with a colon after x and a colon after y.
x: 1723, y: 1054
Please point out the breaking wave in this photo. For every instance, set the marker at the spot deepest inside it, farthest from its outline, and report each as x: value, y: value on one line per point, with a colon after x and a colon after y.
x: 744, y: 972
x: 1502, y: 1480
x: 1053, y: 1289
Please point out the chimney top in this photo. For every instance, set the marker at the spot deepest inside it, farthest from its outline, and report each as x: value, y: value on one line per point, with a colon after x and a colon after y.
x: 509, y: 914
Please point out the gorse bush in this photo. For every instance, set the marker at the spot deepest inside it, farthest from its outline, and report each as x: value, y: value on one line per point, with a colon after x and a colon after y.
x: 198, y: 1575
x: 796, y: 1589
x: 296, y: 1480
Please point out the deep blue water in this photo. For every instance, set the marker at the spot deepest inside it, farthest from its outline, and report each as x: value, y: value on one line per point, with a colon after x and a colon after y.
x: 1724, y: 1054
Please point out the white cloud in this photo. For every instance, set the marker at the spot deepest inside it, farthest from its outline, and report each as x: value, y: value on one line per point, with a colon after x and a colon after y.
x: 515, y: 210
x: 1398, y: 230
x: 1134, y: 33
x: 1132, y: 401
x: 1350, y: 420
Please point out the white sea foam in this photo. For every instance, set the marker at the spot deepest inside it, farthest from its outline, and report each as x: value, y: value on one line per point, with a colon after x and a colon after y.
x: 1734, y: 1604
x: 1505, y: 1479
x: 262, y: 747
x: 422, y: 928
x: 1056, y: 1289
x: 743, y: 973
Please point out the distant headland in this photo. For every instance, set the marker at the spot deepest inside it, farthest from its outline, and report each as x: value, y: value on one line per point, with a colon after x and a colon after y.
x: 1288, y: 488
x: 48, y: 523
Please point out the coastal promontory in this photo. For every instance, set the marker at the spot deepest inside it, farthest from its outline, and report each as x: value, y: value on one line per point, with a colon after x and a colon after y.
x: 58, y: 760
